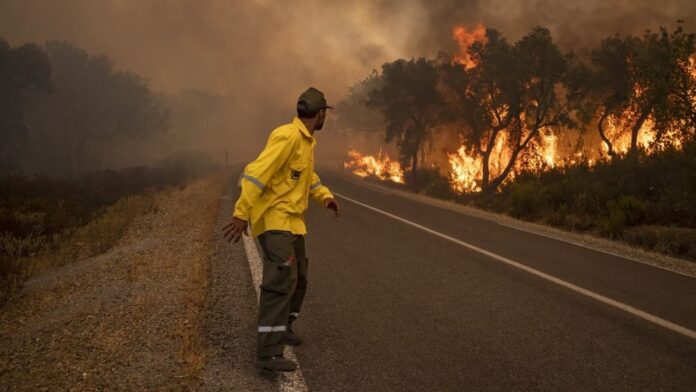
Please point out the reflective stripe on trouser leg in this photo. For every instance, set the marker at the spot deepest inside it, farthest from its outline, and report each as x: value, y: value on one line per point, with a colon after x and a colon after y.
x: 275, y: 328
x: 277, y: 289
x: 301, y: 289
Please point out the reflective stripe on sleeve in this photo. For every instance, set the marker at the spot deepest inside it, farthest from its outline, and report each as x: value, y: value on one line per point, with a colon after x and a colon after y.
x: 277, y: 328
x: 255, y: 181
x: 315, y: 185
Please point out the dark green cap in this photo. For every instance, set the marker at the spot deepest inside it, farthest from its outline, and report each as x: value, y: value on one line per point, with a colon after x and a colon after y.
x: 312, y: 100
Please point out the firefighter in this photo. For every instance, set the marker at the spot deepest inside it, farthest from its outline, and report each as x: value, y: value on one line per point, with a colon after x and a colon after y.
x: 275, y: 189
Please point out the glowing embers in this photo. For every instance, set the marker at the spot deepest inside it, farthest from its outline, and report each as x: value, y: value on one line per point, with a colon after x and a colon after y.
x: 465, y: 167
x: 378, y: 166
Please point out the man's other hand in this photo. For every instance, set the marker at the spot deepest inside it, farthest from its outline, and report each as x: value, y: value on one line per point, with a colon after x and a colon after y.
x: 332, y: 205
x: 234, y: 229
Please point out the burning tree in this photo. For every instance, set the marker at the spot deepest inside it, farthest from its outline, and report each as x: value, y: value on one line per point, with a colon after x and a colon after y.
x: 511, y: 94
x: 676, y: 120
x: 609, y: 86
x: 642, y: 89
x: 483, y: 96
x: 515, y: 106
x: 409, y: 100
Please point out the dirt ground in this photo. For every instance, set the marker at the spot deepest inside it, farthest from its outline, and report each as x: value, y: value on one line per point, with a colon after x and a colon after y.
x: 142, y: 316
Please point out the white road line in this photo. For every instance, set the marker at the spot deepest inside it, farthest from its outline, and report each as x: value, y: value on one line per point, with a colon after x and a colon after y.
x: 619, y: 305
x: 529, y: 231
x: 370, y: 187
x: 580, y: 244
x: 288, y: 381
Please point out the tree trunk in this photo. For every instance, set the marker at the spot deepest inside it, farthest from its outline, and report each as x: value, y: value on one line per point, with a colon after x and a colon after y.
x: 485, y: 170
x: 486, y: 159
x: 502, y: 176
x: 414, y: 166
x: 636, y: 129
x: 602, y: 133
x: 515, y: 153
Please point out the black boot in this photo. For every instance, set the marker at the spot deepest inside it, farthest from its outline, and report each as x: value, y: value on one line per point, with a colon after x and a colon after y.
x: 291, y: 339
x: 276, y: 362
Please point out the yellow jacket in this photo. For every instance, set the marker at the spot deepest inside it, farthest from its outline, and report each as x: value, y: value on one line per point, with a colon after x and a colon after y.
x: 276, y: 186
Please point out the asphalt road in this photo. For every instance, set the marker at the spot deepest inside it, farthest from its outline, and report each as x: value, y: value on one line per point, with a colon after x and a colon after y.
x: 393, y: 307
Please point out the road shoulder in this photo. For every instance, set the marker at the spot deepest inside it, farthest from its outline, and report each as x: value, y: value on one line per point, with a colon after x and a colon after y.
x: 229, y: 328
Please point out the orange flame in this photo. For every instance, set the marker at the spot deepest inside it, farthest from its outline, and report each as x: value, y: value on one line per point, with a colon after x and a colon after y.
x: 465, y: 165
x: 618, y: 131
x: 465, y: 39
x: 369, y: 165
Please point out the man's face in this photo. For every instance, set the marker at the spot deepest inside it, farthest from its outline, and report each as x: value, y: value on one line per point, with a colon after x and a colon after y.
x: 320, y: 119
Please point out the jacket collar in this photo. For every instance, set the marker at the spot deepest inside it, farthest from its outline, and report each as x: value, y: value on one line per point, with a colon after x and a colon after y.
x: 299, y: 124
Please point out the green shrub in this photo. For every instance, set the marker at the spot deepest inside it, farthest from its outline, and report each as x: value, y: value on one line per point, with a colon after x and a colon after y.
x: 437, y: 185
x: 677, y: 241
x: 580, y: 222
x: 623, y: 212
x: 525, y: 200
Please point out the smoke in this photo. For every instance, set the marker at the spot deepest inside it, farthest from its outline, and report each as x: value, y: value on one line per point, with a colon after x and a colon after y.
x: 576, y: 25
x: 261, y: 54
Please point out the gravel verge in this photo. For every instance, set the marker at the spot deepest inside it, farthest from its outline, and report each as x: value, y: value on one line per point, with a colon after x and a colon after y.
x: 229, y: 326
x: 129, y: 319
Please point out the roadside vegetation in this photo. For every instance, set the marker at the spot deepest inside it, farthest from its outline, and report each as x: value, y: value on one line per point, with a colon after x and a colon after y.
x: 49, y: 222
x: 648, y: 201
x: 66, y: 118
x: 601, y: 143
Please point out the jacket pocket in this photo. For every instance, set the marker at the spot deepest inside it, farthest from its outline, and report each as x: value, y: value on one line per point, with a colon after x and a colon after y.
x: 297, y: 171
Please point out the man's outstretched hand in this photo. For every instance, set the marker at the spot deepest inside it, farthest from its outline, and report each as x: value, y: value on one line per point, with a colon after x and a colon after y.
x: 332, y: 205
x: 234, y: 229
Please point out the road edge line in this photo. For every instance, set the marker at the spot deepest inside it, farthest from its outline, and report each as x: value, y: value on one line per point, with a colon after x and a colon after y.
x: 441, y: 203
x: 598, y: 297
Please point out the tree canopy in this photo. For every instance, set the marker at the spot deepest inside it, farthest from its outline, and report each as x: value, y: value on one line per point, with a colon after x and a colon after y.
x: 633, y: 90
x: 410, y: 102
x: 91, y: 104
x: 23, y: 70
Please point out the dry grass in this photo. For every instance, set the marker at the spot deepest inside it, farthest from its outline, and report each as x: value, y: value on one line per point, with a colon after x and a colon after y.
x: 130, y: 318
x: 69, y: 246
x: 191, y: 354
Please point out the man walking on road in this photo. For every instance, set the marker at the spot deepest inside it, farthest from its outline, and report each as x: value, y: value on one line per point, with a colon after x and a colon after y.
x: 275, y: 192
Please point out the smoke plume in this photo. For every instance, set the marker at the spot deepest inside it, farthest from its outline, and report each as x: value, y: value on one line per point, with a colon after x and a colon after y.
x: 261, y: 54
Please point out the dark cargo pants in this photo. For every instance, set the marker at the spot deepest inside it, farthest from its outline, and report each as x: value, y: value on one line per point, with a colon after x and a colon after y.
x: 282, y: 290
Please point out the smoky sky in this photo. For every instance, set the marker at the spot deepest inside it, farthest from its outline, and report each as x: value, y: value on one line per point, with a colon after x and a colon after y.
x: 263, y: 53
x: 575, y: 25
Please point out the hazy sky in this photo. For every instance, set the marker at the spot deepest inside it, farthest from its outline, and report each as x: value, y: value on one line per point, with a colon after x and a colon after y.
x: 272, y: 49
x: 263, y: 53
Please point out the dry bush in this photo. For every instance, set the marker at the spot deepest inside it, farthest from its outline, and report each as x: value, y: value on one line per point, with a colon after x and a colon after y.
x: 676, y: 241
x: 24, y: 257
